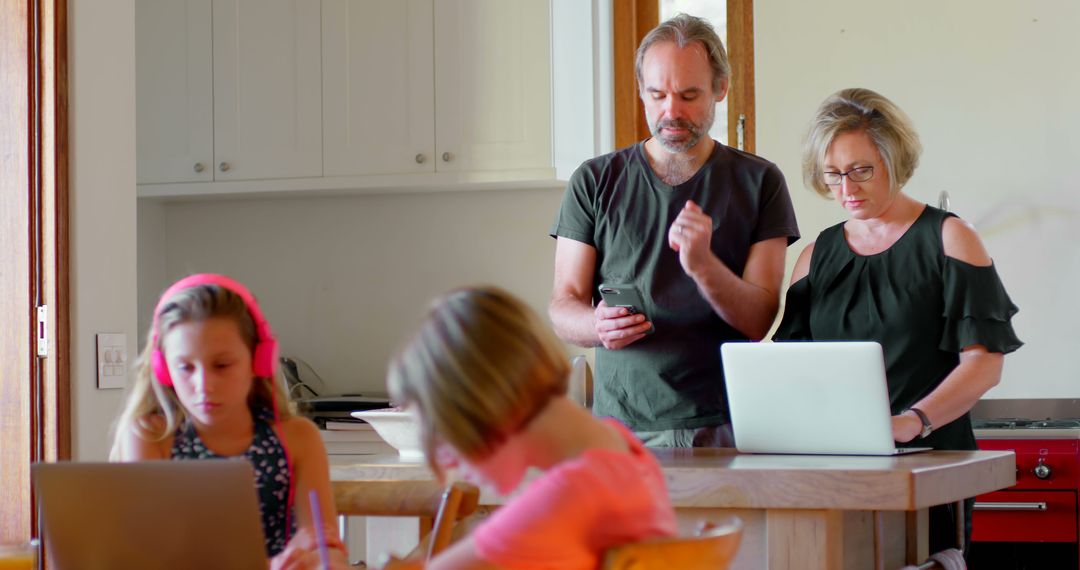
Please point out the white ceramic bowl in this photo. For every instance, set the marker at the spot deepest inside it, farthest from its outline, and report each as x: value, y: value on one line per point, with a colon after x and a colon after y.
x: 398, y: 427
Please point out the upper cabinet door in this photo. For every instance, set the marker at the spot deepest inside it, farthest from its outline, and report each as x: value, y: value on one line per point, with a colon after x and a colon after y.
x: 378, y: 87
x: 267, y: 89
x: 492, y: 84
x: 174, y: 83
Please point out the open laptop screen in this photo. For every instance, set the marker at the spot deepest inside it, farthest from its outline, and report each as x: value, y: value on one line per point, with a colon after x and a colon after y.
x: 151, y: 514
x: 809, y: 397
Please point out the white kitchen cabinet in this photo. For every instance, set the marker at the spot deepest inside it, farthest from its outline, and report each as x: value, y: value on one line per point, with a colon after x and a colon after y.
x: 174, y: 77
x: 421, y: 86
x: 256, y: 97
x: 228, y: 90
x: 378, y: 87
x: 492, y: 84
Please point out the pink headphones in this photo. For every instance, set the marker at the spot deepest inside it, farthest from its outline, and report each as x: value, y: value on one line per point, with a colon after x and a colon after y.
x: 263, y: 362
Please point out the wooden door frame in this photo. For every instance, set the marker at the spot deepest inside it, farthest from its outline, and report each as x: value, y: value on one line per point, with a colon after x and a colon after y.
x: 35, y: 404
x: 15, y: 295
x: 632, y: 19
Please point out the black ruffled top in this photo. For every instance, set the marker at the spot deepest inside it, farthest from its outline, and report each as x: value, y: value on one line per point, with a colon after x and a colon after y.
x: 920, y: 305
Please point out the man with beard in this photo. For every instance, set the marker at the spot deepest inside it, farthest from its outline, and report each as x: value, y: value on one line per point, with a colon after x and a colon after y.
x: 699, y: 228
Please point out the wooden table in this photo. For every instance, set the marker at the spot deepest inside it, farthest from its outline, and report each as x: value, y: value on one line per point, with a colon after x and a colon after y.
x: 800, y: 511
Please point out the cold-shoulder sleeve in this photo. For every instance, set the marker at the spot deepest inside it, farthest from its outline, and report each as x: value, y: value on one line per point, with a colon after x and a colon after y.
x: 977, y: 309
x: 796, y: 322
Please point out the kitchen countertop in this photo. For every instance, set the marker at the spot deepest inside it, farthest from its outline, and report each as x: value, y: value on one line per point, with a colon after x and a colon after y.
x: 724, y: 478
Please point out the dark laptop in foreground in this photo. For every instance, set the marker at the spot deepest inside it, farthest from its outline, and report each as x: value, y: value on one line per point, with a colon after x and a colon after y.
x: 150, y: 515
x: 823, y: 398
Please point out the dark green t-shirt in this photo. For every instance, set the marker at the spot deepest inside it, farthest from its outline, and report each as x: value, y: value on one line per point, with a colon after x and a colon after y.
x: 672, y: 378
x: 922, y: 306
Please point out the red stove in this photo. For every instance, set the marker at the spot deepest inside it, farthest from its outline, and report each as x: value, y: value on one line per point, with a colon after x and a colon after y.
x: 1032, y: 524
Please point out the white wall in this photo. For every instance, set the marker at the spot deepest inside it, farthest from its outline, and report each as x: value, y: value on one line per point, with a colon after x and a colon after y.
x: 992, y: 89
x: 102, y: 110
x: 582, y: 104
x: 151, y: 267
x: 344, y: 280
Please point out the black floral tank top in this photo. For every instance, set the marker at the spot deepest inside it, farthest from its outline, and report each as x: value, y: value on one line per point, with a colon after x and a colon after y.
x: 272, y: 477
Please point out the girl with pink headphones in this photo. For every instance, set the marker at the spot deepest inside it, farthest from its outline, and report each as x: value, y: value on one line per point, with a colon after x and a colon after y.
x: 206, y: 387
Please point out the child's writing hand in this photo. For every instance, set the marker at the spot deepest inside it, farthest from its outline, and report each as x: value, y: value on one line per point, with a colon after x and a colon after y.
x: 302, y: 552
x: 395, y: 563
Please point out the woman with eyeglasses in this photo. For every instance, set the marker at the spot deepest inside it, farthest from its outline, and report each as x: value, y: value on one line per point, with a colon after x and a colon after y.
x: 914, y: 278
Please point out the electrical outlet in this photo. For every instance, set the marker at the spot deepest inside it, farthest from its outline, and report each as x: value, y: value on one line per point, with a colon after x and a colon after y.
x: 111, y: 360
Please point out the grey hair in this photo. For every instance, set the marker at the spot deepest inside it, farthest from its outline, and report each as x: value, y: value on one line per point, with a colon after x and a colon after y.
x: 857, y: 109
x: 682, y: 30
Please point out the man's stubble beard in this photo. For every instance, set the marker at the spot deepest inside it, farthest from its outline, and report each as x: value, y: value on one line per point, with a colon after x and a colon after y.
x: 696, y: 132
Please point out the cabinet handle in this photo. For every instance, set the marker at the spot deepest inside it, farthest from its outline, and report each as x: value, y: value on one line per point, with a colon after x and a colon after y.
x: 1009, y: 506
x: 224, y: 167
x: 447, y: 156
x: 199, y: 167
x: 421, y: 159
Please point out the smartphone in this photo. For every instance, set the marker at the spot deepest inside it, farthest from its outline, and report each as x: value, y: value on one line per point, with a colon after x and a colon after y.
x: 624, y: 296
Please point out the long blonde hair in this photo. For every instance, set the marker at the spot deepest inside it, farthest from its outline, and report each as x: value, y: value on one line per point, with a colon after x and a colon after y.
x: 147, y: 398
x: 480, y: 367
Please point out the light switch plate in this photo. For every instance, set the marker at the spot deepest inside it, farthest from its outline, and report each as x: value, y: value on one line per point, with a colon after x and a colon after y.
x: 111, y: 360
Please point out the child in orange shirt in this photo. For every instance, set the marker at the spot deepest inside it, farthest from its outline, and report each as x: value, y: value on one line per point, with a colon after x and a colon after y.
x: 488, y: 380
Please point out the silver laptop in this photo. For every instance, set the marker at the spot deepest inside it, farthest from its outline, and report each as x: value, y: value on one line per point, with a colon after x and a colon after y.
x: 827, y: 398
x: 150, y: 515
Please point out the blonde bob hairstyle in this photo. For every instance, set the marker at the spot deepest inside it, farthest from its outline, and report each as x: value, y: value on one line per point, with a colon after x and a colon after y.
x: 858, y: 109
x: 481, y: 366
x: 149, y: 402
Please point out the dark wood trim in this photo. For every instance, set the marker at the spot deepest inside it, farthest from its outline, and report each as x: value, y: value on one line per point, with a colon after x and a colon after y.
x: 740, y: 34
x: 55, y: 401
x: 632, y: 20
x: 16, y: 316
x: 61, y: 233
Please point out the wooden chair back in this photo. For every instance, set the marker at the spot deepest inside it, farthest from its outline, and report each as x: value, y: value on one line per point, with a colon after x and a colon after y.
x: 713, y: 549
x: 439, y: 508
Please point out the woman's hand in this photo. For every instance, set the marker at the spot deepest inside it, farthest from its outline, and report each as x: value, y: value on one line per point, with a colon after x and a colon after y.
x: 906, y: 426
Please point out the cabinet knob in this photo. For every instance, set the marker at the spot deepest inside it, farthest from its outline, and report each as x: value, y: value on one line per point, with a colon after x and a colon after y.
x: 447, y: 156
x: 1042, y: 470
x: 421, y: 159
x: 199, y: 167
x: 224, y: 167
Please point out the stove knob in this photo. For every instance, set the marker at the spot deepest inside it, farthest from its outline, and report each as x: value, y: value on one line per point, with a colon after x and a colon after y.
x: 1042, y: 471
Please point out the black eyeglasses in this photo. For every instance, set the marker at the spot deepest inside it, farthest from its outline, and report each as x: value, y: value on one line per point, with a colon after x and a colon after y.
x: 860, y: 174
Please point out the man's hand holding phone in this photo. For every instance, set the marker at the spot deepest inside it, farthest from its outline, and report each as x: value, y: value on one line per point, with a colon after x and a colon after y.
x: 617, y: 327
x: 618, y: 317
